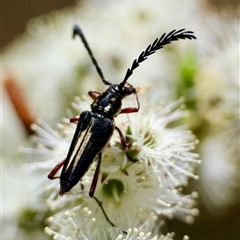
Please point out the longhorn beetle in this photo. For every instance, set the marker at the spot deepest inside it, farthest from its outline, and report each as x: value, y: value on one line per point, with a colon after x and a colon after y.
x: 95, y: 127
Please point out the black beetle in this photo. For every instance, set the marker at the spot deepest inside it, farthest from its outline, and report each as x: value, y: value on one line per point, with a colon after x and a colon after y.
x: 95, y: 127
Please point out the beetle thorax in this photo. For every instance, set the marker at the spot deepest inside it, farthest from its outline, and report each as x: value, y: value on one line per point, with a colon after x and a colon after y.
x: 108, y: 103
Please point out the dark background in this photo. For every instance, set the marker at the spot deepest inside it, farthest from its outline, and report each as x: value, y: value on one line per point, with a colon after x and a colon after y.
x: 15, y: 14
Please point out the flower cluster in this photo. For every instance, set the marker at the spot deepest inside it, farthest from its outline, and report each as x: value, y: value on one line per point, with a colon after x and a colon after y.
x: 138, y: 187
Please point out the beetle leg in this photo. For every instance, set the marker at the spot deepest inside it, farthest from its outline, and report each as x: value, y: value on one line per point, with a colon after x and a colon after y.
x: 105, y: 214
x: 74, y: 120
x: 125, y: 145
x: 93, y: 94
x: 131, y: 109
x: 123, y: 140
x: 92, y: 190
x: 95, y: 177
x: 52, y: 174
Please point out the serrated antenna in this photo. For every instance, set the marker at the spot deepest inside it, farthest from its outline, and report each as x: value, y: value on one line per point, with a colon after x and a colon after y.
x: 174, y: 35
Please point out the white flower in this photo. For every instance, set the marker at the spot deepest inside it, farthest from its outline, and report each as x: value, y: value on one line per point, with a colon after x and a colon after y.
x: 224, y: 174
x: 146, y: 179
x: 217, y: 91
x: 13, y: 199
x: 72, y: 227
x: 219, y: 70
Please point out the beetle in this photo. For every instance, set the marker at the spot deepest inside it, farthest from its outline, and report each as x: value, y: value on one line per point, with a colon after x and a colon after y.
x: 95, y: 128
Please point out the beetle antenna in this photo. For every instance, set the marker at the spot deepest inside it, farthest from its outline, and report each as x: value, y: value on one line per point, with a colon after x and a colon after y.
x: 174, y: 35
x: 78, y: 31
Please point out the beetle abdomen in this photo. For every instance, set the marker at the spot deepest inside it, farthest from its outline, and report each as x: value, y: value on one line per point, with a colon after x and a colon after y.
x: 92, y: 134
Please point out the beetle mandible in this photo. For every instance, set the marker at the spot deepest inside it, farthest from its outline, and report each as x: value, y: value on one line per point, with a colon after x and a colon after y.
x: 95, y: 128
